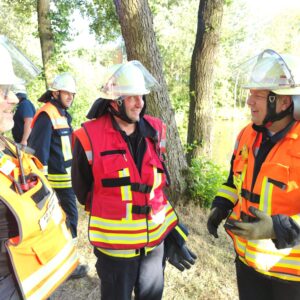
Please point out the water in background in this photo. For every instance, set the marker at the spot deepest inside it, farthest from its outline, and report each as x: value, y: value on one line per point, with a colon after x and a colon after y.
x: 224, y: 136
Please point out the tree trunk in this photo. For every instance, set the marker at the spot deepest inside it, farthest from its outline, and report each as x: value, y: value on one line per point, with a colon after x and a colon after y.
x: 201, y: 79
x: 137, y: 29
x: 46, y: 36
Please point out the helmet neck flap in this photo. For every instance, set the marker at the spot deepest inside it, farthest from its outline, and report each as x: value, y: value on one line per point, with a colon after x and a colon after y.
x: 272, y: 116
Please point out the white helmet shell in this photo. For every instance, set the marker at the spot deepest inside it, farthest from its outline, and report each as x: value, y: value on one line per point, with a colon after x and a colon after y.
x: 274, y: 72
x: 127, y: 79
x: 63, y: 82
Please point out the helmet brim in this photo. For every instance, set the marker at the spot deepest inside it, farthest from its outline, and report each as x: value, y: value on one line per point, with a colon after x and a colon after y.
x: 116, y: 96
x: 287, y: 91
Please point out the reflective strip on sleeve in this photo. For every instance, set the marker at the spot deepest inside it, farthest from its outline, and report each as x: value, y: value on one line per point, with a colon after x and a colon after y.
x: 60, y: 185
x: 182, y: 234
x: 60, y: 181
x: 59, y: 177
x: 228, y: 193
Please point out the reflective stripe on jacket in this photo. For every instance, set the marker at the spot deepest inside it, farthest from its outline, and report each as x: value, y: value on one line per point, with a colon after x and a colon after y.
x: 276, y: 191
x: 59, y: 164
x: 42, y: 255
x: 128, y: 211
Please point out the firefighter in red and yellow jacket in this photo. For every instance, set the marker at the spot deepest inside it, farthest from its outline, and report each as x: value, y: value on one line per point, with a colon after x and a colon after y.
x: 37, y: 252
x: 261, y: 195
x: 118, y: 173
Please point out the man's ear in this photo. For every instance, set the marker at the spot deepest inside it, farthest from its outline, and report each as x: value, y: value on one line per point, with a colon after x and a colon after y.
x: 55, y: 94
x: 285, y: 102
x: 114, y: 105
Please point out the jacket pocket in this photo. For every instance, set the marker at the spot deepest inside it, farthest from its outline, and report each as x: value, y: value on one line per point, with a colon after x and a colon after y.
x: 110, y: 208
x: 113, y: 162
x: 277, y: 174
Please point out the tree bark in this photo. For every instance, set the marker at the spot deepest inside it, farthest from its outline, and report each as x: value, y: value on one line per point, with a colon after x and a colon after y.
x: 46, y: 36
x: 210, y: 16
x: 136, y: 23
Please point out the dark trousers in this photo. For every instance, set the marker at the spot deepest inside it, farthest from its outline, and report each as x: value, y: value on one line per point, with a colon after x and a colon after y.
x: 256, y: 286
x: 67, y: 200
x: 9, y: 289
x: 144, y: 275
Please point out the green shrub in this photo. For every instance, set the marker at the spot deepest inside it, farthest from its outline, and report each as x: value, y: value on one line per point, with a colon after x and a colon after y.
x: 204, y: 180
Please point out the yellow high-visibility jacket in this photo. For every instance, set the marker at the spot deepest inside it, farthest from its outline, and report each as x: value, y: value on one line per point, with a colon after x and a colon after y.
x: 43, y: 254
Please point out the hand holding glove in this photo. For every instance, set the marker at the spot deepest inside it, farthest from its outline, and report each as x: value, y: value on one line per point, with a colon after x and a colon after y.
x: 216, y: 216
x: 258, y: 230
x: 181, y: 257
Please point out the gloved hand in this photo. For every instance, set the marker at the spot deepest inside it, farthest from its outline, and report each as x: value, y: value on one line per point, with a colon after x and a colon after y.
x: 258, y: 230
x: 180, y: 257
x: 216, y: 216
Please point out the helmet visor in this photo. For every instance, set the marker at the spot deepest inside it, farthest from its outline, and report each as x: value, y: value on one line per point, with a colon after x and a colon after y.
x: 266, y: 71
x: 23, y: 67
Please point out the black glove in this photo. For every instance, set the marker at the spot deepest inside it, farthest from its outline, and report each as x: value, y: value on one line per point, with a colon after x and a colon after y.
x: 216, y: 216
x: 179, y: 256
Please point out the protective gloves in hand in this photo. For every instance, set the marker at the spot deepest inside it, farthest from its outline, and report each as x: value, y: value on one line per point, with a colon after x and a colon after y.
x: 216, y: 216
x: 258, y: 230
x: 180, y: 257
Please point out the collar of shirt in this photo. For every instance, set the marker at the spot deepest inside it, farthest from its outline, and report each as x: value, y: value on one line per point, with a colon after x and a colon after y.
x: 144, y: 128
x: 266, y: 134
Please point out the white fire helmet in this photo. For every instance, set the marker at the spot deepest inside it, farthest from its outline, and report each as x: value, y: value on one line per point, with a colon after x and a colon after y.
x: 274, y: 72
x: 63, y: 82
x: 12, y: 62
x: 271, y: 71
x: 127, y: 79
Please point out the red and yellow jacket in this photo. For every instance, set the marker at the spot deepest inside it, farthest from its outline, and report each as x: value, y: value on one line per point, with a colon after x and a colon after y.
x: 128, y: 210
x: 275, y: 191
x: 42, y: 255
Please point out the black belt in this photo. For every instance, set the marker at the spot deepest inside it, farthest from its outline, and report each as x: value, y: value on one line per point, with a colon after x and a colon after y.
x: 137, y: 209
x: 140, y: 187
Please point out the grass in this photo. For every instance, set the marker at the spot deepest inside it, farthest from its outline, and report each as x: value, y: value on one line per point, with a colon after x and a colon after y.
x: 211, y: 278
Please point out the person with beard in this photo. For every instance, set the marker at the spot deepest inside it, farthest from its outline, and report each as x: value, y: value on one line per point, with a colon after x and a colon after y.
x: 50, y: 138
x: 119, y: 173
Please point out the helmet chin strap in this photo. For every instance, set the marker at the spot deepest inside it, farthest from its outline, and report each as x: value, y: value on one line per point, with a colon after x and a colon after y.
x: 272, y: 116
x: 121, y: 113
